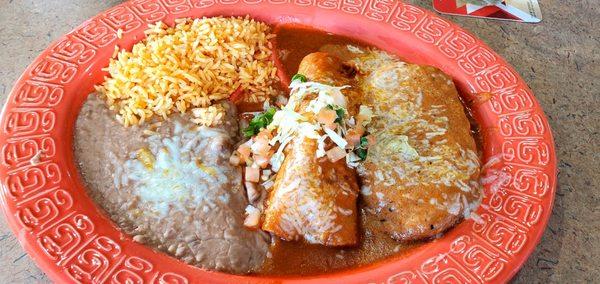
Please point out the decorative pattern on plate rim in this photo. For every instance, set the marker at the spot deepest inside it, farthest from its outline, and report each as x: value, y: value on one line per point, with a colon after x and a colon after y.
x: 59, y: 226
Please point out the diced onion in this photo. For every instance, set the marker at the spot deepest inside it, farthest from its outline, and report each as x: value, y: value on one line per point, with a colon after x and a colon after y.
x: 352, y: 159
x: 267, y: 172
x: 234, y: 159
x: 315, y: 118
x: 321, y: 146
x: 339, y: 99
x: 252, y: 217
x: 251, y: 191
x: 276, y: 161
x: 336, y: 138
x: 268, y: 184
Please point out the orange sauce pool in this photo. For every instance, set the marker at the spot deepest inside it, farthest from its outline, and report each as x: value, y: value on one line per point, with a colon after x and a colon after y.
x: 294, y: 42
x: 300, y: 258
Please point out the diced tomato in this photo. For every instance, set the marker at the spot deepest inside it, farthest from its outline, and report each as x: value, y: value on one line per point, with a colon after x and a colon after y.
x: 261, y: 161
x: 237, y: 95
x: 359, y: 129
x: 260, y: 146
x: 326, y: 116
x: 244, y: 151
x: 265, y: 134
x: 331, y: 126
x: 252, y: 174
x: 336, y: 153
x: 353, y: 138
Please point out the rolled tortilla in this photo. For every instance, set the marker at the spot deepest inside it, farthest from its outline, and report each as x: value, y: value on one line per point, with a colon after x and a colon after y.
x: 421, y: 176
x: 314, y: 199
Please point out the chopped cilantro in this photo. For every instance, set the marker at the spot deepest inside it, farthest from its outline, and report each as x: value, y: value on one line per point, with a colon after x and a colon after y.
x: 361, y: 153
x: 364, y: 142
x: 300, y: 77
x: 339, y: 111
x: 259, y: 122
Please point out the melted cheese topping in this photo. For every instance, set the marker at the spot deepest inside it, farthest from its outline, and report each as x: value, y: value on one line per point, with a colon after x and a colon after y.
x: 174, y: 172
x: 411, y: 147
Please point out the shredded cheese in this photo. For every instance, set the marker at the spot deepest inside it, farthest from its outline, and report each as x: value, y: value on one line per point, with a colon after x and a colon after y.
x: 289, y: 122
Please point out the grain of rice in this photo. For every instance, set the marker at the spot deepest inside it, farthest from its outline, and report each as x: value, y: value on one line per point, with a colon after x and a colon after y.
x: 191, y: 65
x: 115, y: 53
x: 209, y: 116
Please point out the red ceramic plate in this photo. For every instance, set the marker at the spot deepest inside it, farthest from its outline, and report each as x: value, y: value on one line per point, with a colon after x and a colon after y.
x: 72, y: 241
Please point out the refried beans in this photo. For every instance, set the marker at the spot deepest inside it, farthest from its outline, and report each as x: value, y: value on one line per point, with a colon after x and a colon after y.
x: 169, y: 184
